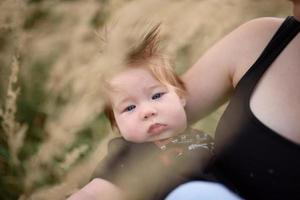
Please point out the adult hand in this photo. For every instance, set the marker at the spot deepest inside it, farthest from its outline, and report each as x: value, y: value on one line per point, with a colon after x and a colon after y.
x: 98, y: 189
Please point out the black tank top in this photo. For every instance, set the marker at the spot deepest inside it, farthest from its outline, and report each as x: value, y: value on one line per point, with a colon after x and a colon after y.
x: 258, y: 163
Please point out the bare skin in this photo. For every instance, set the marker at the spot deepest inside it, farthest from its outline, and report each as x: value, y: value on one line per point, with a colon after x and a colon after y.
x: 275, y: 101
x: 98, y: 189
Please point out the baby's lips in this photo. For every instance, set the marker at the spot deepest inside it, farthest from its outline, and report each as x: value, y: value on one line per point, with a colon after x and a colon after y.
x: 156, y: 128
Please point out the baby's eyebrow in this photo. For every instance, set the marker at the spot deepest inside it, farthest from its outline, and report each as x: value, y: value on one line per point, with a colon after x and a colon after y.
x: 122, y: 100
x: 156, y: 86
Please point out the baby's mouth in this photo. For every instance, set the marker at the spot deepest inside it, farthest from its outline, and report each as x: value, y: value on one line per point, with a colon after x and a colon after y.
x: 157, y: 128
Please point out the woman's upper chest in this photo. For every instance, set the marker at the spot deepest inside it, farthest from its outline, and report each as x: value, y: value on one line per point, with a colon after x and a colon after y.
x: 275, y: 100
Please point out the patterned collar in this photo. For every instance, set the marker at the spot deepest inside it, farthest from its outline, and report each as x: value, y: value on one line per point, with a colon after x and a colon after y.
x: 189, y: 140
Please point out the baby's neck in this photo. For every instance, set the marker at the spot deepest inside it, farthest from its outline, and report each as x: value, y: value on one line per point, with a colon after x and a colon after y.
x: 163, y: 142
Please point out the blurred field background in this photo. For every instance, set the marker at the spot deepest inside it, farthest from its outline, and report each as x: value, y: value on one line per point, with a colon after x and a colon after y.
x: 53, y: 132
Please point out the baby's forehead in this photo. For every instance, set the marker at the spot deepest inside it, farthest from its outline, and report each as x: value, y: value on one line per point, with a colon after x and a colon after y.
x: 134, y: 76
x: 142, y: 88
x: 131, y: 80
x: 118, y: 92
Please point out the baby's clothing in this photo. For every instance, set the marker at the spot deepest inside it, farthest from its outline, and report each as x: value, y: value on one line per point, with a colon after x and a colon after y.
x: 152, y: 171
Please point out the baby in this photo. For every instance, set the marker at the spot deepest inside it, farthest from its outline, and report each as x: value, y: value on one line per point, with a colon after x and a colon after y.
x: 157, y: 151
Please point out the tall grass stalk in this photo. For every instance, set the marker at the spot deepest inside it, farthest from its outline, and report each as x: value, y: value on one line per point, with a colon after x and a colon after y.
x: 13, y: 130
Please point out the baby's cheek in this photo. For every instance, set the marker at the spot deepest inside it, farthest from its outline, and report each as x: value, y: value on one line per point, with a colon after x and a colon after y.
x: 179, y: 119
x: 132, y: 133
x: 134, y: 137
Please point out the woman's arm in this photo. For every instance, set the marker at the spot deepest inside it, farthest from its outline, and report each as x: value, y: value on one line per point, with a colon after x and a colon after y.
x: 98, y: 189
x: 213, y: 77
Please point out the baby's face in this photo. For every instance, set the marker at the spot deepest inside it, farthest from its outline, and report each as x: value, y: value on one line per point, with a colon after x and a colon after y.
x: 145, y: 109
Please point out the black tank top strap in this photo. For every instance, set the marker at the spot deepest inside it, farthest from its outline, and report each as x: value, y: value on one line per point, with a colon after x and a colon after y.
x: 286, y: 32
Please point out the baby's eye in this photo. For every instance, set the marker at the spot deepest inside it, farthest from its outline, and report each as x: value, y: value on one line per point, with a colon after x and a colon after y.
x: 158, y: 95
x: 129, y: 108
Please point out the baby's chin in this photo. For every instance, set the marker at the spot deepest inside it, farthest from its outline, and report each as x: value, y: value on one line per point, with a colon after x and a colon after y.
x: 161, y: 137
x: 140, y: 140
x: 144, y: 140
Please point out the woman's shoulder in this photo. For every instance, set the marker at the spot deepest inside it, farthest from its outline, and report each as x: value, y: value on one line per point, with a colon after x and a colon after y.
x: 262, y: 25
x: 258, y: 27
x: 248, y: 41
x: 265, y: 20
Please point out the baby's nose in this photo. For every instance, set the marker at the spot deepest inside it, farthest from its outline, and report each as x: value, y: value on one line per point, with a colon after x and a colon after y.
x: 148, y: 111
x: 149, y: 114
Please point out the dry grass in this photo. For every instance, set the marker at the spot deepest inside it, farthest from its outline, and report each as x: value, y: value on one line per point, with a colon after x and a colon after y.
x: 13, y: 130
